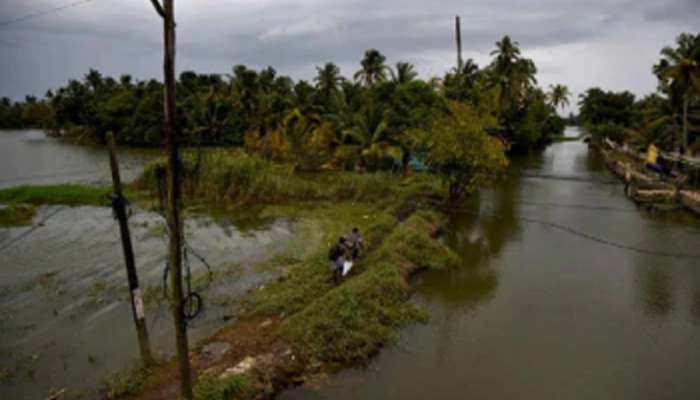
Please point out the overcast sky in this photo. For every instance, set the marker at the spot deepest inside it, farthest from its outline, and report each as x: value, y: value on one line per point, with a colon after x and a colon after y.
x: 581, y: 43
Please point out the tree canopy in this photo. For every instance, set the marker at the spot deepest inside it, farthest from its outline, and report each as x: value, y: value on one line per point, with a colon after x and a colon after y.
x: 359, y: 122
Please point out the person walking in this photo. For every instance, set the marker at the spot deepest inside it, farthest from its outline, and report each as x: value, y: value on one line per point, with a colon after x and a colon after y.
x: 336, y: 256
x: 355, y: 243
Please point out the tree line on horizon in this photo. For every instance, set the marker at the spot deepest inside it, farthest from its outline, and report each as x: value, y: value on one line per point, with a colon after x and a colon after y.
x: 370, y: 118
x: 670, y: 117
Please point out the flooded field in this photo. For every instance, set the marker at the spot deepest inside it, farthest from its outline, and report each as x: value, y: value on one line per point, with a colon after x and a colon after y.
x: 543, y: 311
x: 65, y: 318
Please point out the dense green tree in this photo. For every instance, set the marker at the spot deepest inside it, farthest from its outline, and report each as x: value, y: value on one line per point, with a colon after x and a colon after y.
x: 679, y: 74
x: 373, y: 68
x: 458, y: 147
x: 347, y: 122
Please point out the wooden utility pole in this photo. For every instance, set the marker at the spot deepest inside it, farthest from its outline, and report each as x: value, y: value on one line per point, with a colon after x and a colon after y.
x: 684, y: 151
x: 167, y: 12
x: 119, y: 206
x: 458, y: 36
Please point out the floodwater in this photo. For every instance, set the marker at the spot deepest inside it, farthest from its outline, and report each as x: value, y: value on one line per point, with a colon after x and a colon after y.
x: 65, y: 318
x: 538, y: 311
x: 30, y: 157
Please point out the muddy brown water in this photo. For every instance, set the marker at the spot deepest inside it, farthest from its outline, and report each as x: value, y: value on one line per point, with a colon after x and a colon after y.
x: 65, y: 321
x: 536, y: 312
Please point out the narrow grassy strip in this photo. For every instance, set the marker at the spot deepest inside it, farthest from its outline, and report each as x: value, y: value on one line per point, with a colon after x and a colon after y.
x: 68, y: 194
x: 347, y: 323
x: 350, y: 322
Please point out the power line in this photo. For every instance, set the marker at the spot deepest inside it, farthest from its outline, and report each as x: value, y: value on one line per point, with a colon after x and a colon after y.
x: 42, y: 13
x: 582, y: 235
x: 572, y: 178
x: 32, y: 229
x: 578, y: 206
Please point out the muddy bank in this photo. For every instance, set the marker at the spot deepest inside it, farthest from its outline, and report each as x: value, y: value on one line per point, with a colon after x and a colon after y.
x: 645, y: 188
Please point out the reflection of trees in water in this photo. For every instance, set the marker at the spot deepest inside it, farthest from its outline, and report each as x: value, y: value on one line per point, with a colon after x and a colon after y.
x: 654, y: 285
x: 477, y: 240
x: 695, y: 304
x: 592, y: 161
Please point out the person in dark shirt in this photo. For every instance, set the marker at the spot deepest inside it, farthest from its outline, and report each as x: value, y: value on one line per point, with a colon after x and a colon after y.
x: 354, y: 243
x: 337, y: 256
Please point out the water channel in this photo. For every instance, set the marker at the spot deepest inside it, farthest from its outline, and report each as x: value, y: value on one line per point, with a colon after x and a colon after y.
x: 538, y: 311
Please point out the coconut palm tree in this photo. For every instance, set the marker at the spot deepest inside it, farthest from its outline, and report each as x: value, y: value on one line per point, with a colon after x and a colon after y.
x: 404, y: 73
x: 367, y: 131
x: 558, y: 96
x: 514, y: 75
x: 507, y: 54
x: 679, y: 73
x: 373, y: 68
x: 328, y: 79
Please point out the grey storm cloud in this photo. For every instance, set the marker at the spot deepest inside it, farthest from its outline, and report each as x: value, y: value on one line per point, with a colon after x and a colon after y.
x: 610, y: 43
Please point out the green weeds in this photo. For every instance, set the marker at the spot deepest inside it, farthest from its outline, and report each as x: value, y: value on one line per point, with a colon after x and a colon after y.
x: 226, y: 176
x: 210, y: 387
x: 17, y: 214
x: 68, y: 194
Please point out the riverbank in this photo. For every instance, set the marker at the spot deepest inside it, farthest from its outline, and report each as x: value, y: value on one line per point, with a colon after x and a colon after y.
x: 302, y: 326
x: 646, y: 188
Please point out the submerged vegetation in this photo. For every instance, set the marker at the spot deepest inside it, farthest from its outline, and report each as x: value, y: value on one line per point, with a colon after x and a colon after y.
x: 670, y: 118
x: 16, y: 214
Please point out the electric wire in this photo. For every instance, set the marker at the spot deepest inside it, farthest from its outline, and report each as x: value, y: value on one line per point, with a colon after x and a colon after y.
x: 579, y: 233
x: 32, y: 229
x: 38, y: 14
x: 571, y: 178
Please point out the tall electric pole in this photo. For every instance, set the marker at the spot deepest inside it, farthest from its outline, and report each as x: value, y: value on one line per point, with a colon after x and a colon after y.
x: 167, y: 12
x: 458, y: 37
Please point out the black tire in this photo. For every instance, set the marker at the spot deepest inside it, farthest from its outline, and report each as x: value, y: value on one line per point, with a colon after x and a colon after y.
x: 192, y: 306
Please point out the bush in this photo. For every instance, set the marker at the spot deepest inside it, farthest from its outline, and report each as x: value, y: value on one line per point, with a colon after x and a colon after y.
x: 616, y: 133
x: 235, y: 176
x: 210, y: 387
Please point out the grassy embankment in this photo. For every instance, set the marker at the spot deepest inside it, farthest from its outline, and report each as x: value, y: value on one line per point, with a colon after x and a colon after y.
x: 302, y: 324
x: 22, y: 201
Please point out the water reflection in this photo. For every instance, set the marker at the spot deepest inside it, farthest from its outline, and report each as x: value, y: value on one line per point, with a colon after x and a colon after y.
x: 478, y: 240
x: 656, y: 288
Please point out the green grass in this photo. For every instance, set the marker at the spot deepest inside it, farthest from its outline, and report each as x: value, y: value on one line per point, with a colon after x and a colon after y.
x: 127, y: 382
x: 210, y: 387
x: 17, y: 214
x: 347, y: 323
x: 68, y: 194
x: 229, y: 176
